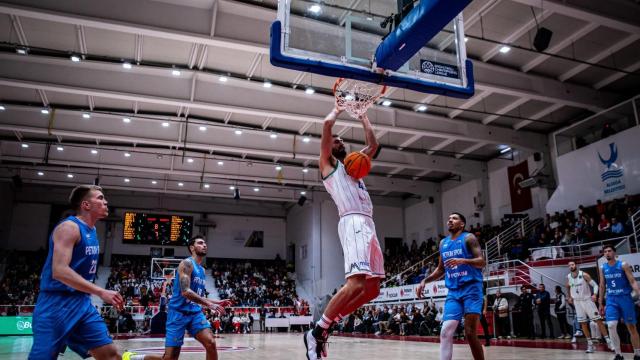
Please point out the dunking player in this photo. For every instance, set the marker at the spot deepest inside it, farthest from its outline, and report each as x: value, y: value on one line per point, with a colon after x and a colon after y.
x: 364, y: 265
x: 64, y: 315
x: 461, y: 262
x: 616, y: 279
x: 185, y: 312
x: 579, y: 286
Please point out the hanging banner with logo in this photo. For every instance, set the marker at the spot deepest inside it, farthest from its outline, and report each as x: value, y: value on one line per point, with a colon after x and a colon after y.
x: 604, y: 170
x: 520, y: 197
x: 15, y: 325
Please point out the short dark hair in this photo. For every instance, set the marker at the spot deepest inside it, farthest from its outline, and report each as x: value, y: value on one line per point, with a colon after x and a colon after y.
x: 607, y: 246
x: 193, y: 241
x: 79, y: 194
x: 464, y: 219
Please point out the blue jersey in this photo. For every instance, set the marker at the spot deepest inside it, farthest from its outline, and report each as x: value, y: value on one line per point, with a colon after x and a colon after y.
x: 84, y: 258
x: 617, y: 282
x: 457, y: 277
x: 179, y: 302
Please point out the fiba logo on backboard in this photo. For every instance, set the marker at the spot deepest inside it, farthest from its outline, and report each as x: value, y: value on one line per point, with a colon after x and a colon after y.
x: 427, y: 67
x: 23, y: 325
x: 612, y: 176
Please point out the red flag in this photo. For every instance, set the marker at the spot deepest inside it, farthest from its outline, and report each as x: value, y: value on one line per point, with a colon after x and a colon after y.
x: 520, y: 198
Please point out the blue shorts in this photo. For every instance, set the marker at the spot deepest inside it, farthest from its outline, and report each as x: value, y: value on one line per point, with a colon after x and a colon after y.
x: 66, y: 319
x: 178, y: 322
x: 620, y: 307
x: 462, y: 301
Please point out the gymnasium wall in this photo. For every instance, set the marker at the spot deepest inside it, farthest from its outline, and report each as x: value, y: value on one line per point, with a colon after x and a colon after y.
x: 421, y: 220
x: 500, y: 199
x: 460, y: 199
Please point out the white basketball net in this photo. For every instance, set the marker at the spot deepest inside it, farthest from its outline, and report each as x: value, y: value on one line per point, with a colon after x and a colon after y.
x: 356, y: 97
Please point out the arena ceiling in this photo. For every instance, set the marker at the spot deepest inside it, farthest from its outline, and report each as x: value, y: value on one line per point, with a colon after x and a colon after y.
x: 191, y: 114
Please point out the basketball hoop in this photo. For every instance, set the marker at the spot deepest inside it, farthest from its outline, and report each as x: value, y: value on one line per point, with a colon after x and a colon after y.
x: 356, y: 97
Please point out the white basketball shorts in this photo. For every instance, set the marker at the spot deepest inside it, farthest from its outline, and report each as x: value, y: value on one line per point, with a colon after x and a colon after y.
x: 360, y: 246
x: 586, y: 310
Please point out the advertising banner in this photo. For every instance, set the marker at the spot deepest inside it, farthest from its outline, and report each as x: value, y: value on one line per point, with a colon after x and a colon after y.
x: 15, y: 325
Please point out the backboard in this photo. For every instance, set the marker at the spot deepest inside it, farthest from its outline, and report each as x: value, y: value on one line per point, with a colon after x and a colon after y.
x: 342, y: 38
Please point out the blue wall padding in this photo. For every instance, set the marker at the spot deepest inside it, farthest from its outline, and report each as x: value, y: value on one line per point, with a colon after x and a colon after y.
x: 422, y: 23
x: 279, y: 59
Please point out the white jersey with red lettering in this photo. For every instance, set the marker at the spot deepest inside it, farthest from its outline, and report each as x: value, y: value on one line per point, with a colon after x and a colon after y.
x: 349, y: 194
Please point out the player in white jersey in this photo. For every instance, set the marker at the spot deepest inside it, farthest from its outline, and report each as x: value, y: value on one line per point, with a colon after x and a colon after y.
x: 579, y: 286
x: 364, y: 264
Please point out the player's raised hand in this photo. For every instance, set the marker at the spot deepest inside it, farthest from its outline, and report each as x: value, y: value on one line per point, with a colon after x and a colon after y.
x: 112, y: 297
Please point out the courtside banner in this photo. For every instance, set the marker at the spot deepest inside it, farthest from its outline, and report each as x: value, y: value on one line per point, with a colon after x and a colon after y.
x: 435, y: 289
x: 408, y: 292
x: 15, y: 325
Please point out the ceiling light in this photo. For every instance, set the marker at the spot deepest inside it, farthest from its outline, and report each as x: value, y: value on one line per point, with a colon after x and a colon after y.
x: 505, y: 150
x: 278, y: 168
x: 126, y: 180
x: 127, y: 154
x: 25, y: 146
x: 189, y: 160
x: 175, y: 72
x: 44, y: 111
x: 273, y: 135
x: 223, y: 79
x: 309, y: 91
x: 21, y: 51
x: 505, y: 49
x: 466, y: 39
x: 220, y: 163
x: 126, y: 65
x: 267, y: 84
x: 153, y: 182
x: 2, y: 108
x: 306, y: 139
x: 94, y: 151
x: 126, y: 120
x: 386, y: 103
x: 165, y: 124
x: 238, y: 132
x: 422, y: 108
x: 256, y: 189
x: 232, y: 187
x: 303, y: 193
x: 203, y: 128
x: 315, y: 8
x: 305, y: 170
x: 86, y: 115
x: 180, y: 184
x: 70, y: 176
x: 75, y: 58
x: 40, y: 173
x: 206, y: 186
x: 59, y: 148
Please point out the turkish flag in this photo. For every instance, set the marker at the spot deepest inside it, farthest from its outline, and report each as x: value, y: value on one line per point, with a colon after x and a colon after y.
x: 520, y: 198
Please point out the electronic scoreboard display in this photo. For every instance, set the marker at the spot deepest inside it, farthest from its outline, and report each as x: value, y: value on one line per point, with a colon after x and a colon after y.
x: 156, y: 229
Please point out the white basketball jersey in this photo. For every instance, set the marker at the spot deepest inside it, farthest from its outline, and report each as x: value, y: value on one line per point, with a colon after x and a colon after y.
x: 349, y: 194
x: 580, y: 289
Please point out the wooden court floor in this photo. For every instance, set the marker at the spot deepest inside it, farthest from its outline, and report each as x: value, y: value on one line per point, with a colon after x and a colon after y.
x: 290, y: 346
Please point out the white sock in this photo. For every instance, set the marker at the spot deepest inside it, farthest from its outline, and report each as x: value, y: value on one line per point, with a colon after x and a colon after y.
x: 137, y: 357
x: 590, y: 342
x: 637, y: 352
x: 613, y: 335
x: 446, y: 339
x: 324, y: 322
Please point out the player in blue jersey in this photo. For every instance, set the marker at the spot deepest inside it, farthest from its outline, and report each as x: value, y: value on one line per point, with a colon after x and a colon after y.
x: 185, y: 307
x: 461, y: 263
x: 64, y: 316
x: 617, y: 281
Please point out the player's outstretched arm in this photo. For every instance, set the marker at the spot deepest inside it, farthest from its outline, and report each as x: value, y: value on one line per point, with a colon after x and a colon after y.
x: 473, y: 245
x: 435, y: 275
x: 370, y: 137
x: 65, y: 237
x: 602, y: 289
x: 326, y: 161
x: 593, y: 284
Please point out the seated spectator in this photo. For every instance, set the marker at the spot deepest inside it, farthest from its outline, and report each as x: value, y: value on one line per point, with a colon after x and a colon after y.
x: 604, y: 226
x: 616, y: 227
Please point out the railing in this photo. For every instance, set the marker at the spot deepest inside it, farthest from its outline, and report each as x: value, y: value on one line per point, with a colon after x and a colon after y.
x: 500, y: 244
x: 622, y: 245
x: 635, y: 222
x: 412, y: 268
x: 519, y: 271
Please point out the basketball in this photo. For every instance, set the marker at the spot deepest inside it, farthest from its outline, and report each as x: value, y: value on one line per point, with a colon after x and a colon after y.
x: 357, y: 165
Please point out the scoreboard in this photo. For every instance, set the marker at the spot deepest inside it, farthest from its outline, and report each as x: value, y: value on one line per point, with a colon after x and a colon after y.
x: 156, y: 229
